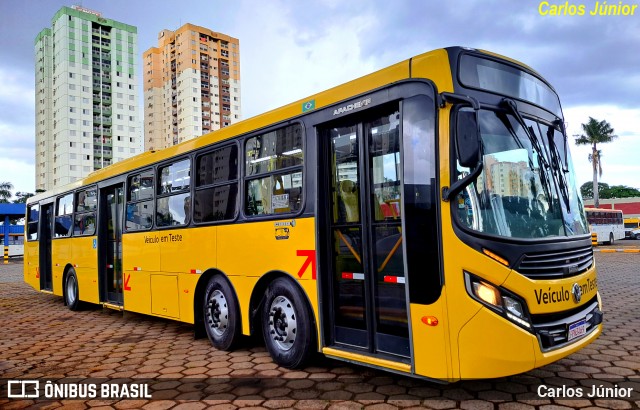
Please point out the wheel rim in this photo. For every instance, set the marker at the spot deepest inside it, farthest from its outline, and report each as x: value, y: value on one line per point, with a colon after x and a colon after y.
x: 217, y: 313
x: 71, y: 290
x: 282, y: 322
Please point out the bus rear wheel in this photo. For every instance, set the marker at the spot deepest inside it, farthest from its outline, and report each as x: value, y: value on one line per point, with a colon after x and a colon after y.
x: 71, y: 294
x: 221, y: 314
x: 289, y: 332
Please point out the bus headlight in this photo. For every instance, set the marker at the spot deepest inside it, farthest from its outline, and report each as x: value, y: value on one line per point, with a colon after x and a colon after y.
x: 487, y: 293
x: 499, y: 300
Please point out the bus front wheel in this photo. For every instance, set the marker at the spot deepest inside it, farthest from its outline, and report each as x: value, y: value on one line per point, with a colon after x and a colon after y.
x: 71, y: 294
x: 221, y: 314
x: 287, y: 327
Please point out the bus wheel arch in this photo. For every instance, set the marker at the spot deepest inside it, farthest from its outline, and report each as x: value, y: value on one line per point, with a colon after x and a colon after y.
x: 217, y: 310
x: 611, y: 240
x: 281, y: 310
x: 70, y: 288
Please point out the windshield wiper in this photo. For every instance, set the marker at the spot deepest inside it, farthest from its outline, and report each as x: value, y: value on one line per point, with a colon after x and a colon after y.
x: 542, y: 159
x: 559, y: 171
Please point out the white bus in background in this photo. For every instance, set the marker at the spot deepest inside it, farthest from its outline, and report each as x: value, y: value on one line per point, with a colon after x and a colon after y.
x: 608, y: 224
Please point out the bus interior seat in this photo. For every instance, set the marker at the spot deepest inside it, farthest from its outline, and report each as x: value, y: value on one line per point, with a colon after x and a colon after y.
x: 349, y: 196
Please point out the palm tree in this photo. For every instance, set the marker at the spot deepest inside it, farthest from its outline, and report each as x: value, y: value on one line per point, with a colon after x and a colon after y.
x: 595, y: 132
x: 5, y: 191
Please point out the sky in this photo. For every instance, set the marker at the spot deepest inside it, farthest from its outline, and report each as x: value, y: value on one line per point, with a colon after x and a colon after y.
x: 292, y: 49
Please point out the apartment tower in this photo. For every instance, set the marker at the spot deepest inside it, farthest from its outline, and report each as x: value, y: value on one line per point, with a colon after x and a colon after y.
x: 87, y: 114
x: 191, y: 85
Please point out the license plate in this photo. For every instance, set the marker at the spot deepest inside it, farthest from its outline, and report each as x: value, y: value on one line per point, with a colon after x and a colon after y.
x: 577, y: 329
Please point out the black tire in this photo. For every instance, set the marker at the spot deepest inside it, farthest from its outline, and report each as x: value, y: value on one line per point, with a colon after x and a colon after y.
x: 71, y: 294
x: 287, y: 325
x: 221, y: 314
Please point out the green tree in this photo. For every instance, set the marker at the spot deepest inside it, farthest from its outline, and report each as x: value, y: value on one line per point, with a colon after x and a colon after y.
x: 595, y: 132
x: 608, y: 192
x: 621, y: 191
x: 586, y: 189
x: 21, y: 197
x: 5, y: 191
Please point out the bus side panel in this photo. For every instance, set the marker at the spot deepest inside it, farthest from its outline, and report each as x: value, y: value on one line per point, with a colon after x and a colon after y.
x: 432, y: 356
x: 254, y: 249
x: 61, y: 255
x: 186, y: 292
x: 490, y: 346
x: 85, y: 258
x: 140, y: 258
x: 187, y: 250
x: 32, y: 264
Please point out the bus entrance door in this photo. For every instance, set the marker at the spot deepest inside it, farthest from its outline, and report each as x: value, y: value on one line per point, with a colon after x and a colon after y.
x: 366, y: 282
x: 46, y: 224
x: 110, y: 244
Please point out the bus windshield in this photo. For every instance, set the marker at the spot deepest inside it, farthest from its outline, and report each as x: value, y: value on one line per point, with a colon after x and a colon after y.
x: 504, y: 79
x: 524, y: 189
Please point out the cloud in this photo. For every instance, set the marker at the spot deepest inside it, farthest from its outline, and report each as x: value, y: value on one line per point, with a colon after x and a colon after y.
x: 17, y: 117
x: 282, y: 60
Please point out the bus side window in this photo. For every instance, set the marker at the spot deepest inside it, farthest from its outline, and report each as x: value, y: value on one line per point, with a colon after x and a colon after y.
x: 173, y: 204
x: 268, y: 191
x: 33, y: 215
x: 85, y: 216
x: 140, y: 201
x: 64, y: 211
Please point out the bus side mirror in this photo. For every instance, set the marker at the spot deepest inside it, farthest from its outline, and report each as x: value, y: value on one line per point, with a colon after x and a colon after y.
x: 468, y: 138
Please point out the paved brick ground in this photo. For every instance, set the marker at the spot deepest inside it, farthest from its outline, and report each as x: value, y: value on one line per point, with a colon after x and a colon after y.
x: 40, y: 338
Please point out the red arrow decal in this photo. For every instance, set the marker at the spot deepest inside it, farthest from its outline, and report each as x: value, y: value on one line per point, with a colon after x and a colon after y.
x: 311, y: 260
x: 126, y: 282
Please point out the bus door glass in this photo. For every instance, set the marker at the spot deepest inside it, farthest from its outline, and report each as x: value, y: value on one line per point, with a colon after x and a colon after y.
x: 110, y: 255
x: 46, y: 223
x: 367, y: 283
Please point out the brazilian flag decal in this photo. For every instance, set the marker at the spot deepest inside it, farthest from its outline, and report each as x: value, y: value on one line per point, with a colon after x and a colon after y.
x: 308, y: 106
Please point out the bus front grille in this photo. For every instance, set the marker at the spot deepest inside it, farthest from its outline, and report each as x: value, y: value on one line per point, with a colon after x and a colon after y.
x: 552, y: 330
x: 556, y: 264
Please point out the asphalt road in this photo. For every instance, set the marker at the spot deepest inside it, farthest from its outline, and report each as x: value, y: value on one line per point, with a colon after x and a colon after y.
x: 41, y: 340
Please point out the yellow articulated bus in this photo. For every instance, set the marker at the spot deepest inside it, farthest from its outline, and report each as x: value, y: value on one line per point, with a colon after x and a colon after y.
x: 422, y: 219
